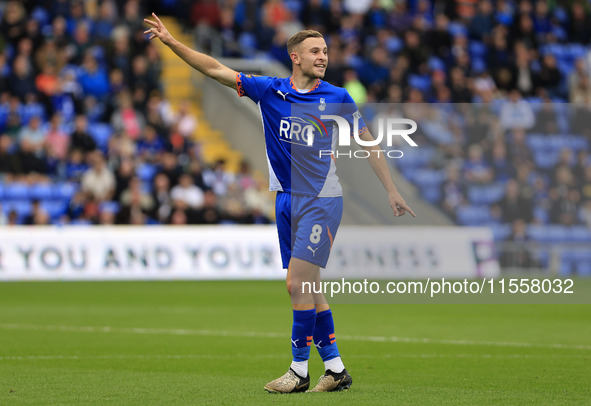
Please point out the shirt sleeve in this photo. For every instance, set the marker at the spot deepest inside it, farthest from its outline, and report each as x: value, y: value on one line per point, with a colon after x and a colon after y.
x: 252, y: 86
x: 351, y: 113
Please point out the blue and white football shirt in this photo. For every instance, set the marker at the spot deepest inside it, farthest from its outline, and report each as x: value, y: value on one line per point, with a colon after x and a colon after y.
x: 289, y: 119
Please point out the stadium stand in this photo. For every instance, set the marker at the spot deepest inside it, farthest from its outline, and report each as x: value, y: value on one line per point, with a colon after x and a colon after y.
x: 87, y: 105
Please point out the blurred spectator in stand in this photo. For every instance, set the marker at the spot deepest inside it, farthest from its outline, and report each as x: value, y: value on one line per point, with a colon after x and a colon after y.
x: 502, y: 167
x: 33, y: 163
x: 22, y: 80
x: 514, y: 206
x: 516, y: 112
x: 481, y: 25
x: 518, y: 149
x: 476, y: 169
x: 75, y: 166
x: 56, y: 141
x: 13, y: 24
x: 546, y: 118
x: 80, y: 138
x: 161, y: 197
x: 518, y: 255
x: 135, y: 193
x: 150, y: 145
x: 376, y: 70
x: 93, y: 78
x: 178, y: 218
x: 126, y: 119
x: 218, y: 178
x: 186, y: 193
x: 563, y: 208
x: 98, y: 181
x: 576, y: 78
x: 585, y: 213
x: 453, y: 193
x: 170, y: 168
x: 354, y: 87
x: 579, y: 23
x: 460, y: 92
x: 582, y: 93
x: 196, y: 172
x: 9, y: 160
x: 37, y: 214
x: 124, y: 174
x: 187, y: 123
x: 209, y: 212
x: 107, y: 217
x: 548, y: 78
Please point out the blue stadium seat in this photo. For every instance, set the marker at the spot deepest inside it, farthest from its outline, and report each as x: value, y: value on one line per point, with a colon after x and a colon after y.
x: 477, y: 49
x: 436, y: 63
x: 500, y: 232
x: 541, y: 214
x: 41, y: 191
x: 548, y: 233
x: 55, y: 209
x: 474, y: 215
x: 111, y: 206
x: 432, y: 194
x: 81, y: 222
x: 419, y: 82
x: 486, y: 195
x: 101, y: 133
x: 16, y: 191
x: 64, y: 191
x: 579, y: 234
x: 457, y: 29
x: 536, y: 142
x: 546, y: 159
x: 146, y: 172
x: 428, y: 178
x: 22, y: 208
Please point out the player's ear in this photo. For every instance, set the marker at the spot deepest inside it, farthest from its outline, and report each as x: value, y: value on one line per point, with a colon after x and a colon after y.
x: 295, y: 58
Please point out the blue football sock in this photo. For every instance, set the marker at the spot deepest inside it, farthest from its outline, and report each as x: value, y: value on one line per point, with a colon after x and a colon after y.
x: 324, y: 338
x: 302, y: 333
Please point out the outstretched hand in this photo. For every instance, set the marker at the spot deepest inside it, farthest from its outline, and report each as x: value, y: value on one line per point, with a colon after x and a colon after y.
x: 399, y: 206
x: 158, y: 30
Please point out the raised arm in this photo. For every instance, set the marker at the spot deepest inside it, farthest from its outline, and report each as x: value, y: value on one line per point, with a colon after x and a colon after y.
x: 380, y: 167
x: 203, y: 63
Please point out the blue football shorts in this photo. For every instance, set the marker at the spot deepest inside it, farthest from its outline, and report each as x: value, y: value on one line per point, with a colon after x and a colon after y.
x: 307, y: 226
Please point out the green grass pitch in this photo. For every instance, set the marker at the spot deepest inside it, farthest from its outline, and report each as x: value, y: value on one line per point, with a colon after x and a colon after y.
x: 156, y: 343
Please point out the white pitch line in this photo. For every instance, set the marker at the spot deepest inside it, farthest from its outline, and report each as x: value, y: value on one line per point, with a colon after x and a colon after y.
x: 259, y: 334
x: 260, y: 356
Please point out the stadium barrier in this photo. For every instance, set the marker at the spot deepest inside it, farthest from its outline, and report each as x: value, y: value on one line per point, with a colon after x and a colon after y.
x: 237, y: 252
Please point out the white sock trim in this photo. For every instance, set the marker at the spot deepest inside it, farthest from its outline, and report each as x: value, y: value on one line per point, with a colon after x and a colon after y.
x: 335, y: 365
x: 300, y: 368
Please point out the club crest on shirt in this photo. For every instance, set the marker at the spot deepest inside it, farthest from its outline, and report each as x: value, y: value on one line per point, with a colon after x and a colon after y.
x: 322, y: 105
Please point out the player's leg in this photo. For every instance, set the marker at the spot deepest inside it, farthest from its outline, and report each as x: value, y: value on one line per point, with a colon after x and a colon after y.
x: 304, y: 317
x: 297, y: 378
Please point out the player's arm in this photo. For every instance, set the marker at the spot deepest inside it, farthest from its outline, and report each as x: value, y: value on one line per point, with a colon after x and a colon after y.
x: 203, y: 63
x: 380, y: 167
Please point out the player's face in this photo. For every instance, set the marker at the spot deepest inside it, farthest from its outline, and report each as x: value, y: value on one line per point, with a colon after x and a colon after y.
x: 313, y: 57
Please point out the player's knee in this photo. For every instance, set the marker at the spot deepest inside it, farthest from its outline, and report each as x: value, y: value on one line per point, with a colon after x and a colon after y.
x: 288, y: 285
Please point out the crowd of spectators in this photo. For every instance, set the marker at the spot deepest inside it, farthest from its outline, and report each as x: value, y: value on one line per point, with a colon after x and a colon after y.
x: 530, y: 160
x: 85, y: 134
x: 70, y: 69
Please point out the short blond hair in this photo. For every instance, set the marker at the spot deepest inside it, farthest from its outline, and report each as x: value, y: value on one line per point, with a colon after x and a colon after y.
x: 298, y: 38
